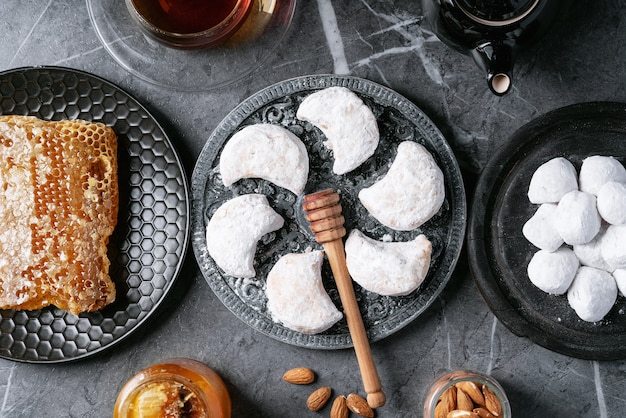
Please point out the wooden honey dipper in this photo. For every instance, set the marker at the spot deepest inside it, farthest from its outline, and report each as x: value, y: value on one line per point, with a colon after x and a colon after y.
x: 323, y: 211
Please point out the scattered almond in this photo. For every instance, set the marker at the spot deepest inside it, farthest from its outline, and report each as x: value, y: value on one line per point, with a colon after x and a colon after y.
x: 492, y: 403
x: 299, y: 376
x: 483, y: 413
x: 339, y: 408
x: 318, y: 398
x: 463, y: 401
x: 472, y: 389
x: 359, y: 406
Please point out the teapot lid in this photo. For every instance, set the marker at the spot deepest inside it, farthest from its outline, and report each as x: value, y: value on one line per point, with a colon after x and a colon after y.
x: 496, y: 12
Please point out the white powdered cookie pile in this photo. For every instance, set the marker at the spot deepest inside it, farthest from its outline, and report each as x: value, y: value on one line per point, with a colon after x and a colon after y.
x: 580, y: 229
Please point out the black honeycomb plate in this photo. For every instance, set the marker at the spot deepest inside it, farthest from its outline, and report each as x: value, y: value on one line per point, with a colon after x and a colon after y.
x: 150, y: 240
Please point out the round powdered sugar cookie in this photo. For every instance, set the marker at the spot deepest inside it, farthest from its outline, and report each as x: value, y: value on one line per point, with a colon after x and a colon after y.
x: 592, y: 293
x: 612, y: 202
x: 620, y: 279
x: 553, y: 272
x: 613, y: 246
x: 539, y: 230
x: 590, y: 253
x: 552, y: 180
x: 598, y: 170
x: 576, y: 218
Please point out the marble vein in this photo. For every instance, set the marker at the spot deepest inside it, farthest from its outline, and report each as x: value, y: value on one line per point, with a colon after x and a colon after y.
x: 602, y: 409
x: 447, y: 329
x: 416, y: 40
x: 30, y: 32
x: 333, y: 36
x: 491, y: 344
x: 397, y: 26
x: 7, y: 389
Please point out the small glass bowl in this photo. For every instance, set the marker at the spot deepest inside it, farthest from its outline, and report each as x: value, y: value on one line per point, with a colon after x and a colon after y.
x: 191, y: 386
x: 451, y: 379
x: 196, y: 40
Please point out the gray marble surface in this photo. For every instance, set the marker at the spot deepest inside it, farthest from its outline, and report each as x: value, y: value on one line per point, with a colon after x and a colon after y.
x: 582, y: 58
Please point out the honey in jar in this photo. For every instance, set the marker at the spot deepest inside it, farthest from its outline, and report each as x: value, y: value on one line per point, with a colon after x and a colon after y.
x: 174, y: 388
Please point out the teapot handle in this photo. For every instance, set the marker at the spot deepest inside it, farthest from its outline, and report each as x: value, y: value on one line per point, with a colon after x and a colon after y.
x: 496, y: 59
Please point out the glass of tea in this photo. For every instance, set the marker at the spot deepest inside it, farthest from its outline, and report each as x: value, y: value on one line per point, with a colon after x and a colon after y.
x: 189, y: 24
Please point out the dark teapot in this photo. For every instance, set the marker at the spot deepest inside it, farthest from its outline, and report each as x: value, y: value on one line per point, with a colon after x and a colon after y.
x: 491, y: 31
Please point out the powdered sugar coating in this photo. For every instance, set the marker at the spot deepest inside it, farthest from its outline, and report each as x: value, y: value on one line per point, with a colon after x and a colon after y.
x: 540, y: 230
x: 576, y: 218
x: 597, y: 170
x: 552, y: 180
x: 592, y: 293
x: 612, y: 202
x: 553, y: 272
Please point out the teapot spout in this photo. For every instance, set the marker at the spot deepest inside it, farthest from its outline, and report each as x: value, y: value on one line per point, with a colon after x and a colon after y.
x: 496, y: 59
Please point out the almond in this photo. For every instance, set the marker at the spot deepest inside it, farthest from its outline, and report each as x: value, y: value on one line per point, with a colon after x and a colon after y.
x: 483, y: 413
x: 318, y: 399
x: 441, y: 410
x: 446, y: 402
x: 339, y: 409
x: 492, y: 403
x: 359, y: 406
x: 463, y: 401
x: 473, y: 391
x: 299, y: 376
x: 457, y: 413
x: 449, y: 398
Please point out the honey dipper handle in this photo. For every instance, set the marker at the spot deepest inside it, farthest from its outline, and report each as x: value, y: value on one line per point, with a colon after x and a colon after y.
x: 337, y: 258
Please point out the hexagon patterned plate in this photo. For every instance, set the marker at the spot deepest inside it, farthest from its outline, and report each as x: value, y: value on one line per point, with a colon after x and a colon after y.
x: 149, y: 243
x: 398, y: 120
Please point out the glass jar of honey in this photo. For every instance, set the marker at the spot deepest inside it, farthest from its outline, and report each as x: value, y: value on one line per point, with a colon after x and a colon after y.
x: 173, y: 388
x: 466, y: 390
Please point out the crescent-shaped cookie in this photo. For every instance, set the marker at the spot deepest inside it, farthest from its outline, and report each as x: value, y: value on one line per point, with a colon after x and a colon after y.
x: 234, y: 230
x: 266, y: 151
x: 349, y: 125
x: 387, y: 268
x: 296, y: 296
x: 410, y: 193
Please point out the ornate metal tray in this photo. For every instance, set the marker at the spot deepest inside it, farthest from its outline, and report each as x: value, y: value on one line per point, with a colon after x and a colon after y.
x: 148, y: 246
x: 399, y: 120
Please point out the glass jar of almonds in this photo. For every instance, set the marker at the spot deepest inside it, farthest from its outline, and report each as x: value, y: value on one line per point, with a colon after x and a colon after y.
x: 175, y: 387
x: 466, y: 394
